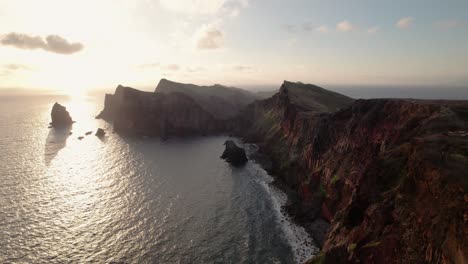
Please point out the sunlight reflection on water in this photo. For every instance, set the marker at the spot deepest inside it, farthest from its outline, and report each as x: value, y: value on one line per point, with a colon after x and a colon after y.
x: 67, y: 200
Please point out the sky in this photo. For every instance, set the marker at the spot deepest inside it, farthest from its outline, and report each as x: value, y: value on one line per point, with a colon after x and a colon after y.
x: 76, y: 46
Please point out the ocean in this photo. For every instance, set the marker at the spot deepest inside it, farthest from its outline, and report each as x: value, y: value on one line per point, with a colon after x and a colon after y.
x: 131, y: 200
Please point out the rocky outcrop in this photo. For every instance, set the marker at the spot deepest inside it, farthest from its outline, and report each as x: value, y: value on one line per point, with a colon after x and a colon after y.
x: 233, y: 154
x: 388, y: 176
x: 158, y: 114
x: 100, y: 132
x: 60, y: 116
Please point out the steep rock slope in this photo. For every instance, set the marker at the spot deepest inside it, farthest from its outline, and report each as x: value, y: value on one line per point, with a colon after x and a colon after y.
x: 389, y: 176
x: 153, y: 114
x: 221, y: 101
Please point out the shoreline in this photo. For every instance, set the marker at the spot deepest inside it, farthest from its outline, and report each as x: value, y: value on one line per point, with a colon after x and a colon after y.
x: 303, y: 242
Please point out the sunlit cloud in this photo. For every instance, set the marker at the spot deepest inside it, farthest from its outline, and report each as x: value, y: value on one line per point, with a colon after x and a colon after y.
x: 373, y: 30
x: 9, y: 69
x: 345, y: 26
x: 405, y: 22
x: 208, y: 37
x: 52, y: 43
x: 14, y: 67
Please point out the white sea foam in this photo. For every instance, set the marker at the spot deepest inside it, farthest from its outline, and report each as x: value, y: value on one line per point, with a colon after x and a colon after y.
x: 302, y: 244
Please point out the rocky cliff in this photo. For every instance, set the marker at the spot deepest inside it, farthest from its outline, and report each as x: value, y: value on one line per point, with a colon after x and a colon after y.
x: 157, y: 114
x: 386, y: 178
x: 221, y: 101
x: 373, y: 181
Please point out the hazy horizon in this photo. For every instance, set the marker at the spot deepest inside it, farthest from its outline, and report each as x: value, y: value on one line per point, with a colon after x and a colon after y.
x: 77, y: 47
x: 354, y: 91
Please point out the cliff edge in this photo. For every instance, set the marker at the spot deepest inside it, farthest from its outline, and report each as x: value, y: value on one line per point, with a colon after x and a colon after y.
x: 388, y: 176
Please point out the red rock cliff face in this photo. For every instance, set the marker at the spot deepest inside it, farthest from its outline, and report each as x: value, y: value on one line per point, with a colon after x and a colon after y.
x: 390, y: 176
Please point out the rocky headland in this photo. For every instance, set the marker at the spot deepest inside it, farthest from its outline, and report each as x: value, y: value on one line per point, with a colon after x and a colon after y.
x: 234, y: 154
x: 373, y: 181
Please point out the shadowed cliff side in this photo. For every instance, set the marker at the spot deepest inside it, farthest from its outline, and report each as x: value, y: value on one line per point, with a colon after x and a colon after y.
x: 221, y: 101
x: 389, y: 176
x: 156, y: 114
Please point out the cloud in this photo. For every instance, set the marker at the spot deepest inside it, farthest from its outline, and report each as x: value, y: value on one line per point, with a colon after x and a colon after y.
x: 9, y: 69
x: 447, y: 24
x: 14, y: 67
x: 209, y: 37
x: 60, y: 45
x: 345, y: 26
x: 373, y: 30
x: 405, y: 22
x: 52, y: 43
x: 323, y: 29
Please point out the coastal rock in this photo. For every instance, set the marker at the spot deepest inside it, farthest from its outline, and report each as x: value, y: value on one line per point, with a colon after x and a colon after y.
x: 175, y: 114
x: 234, y: 154
x: 100, y: 132
x: 385, y: 174
x: 60, y: 116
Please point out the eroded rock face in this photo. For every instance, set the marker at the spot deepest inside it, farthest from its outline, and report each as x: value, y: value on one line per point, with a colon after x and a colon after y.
x: 233, y: 154
x: 387, y: 175
x: 60, y: 116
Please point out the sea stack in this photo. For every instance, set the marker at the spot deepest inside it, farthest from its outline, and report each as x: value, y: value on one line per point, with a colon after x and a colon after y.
x: 100, y: 132
x: 234, y: 154
x: 60, y: 116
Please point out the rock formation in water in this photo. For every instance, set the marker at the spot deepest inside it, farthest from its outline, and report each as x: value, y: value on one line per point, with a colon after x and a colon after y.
x: 60, y: 116
x: 389, y: 177
x: 234, y: 154
x: 100, y: 132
